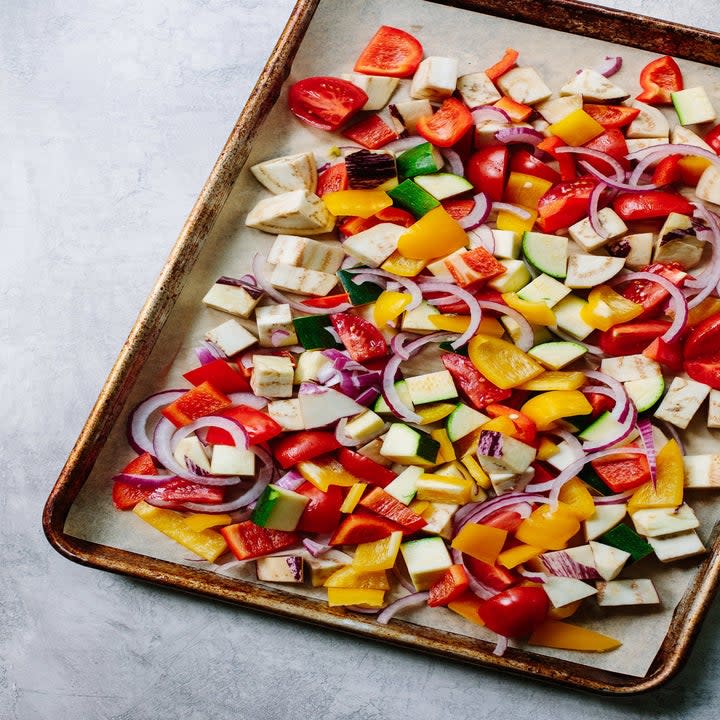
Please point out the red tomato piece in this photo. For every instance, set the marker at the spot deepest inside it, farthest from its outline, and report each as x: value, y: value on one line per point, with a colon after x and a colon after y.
x: 611, y: 116
x: 652, y: 296
x: 259, y: 426
x: 526, y: 430
x: 221, y: 374
x: 473, y: 385
x: 447, y: 125
x: 332, y: 179
x: 670, y: 355
x: 303, y: 445
x: 508, y: 520
x: 651, y: 204
x: 623, y: 472
x: 516, y: 612
x: 449, y: 587
x: 196, y: 403
x: 482, y: 262
x: 507, y: 62
x: 325, y: 102
x: 362, y: 527
x: 658, y: 79
x: 494, y: 576
x: 248, y: 540
x: 371, y: 132
x: 487, y: 170
x: 713, y: 138
x: 523, y: 162
x: 702, y: 352
x: 125, y: 495
x: 384, y: 504
x: 391, y: 52
x: 565, y: 204
x: 359, y: 336
x: 365, y: 468
x: 707, y: 372
x: 458, y: 208
x: 322, y: 513
x: 179, y: 491
x: 612, y: 142
x: 631, y: 338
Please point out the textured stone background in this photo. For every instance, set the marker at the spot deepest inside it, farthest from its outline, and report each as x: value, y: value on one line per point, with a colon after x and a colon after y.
x: 111, y: 115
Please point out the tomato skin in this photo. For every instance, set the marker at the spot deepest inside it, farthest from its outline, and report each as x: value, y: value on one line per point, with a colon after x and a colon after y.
x: 458, y: 208
x: 487, y: 170
x: 611, y: 116
x: 631, y: 338
x: 332, y: 179
x: 365, y: 468
x: 658, y: 79
x: 325, y: 102
x: 361, y: 338
x: 565, y: 204
x: 391, y: 52
x: 713, y: 138
x: 322, y: 513
x: 515, y: 612
x: 259, y: 426
x: 705, y: 372
x: 447, y: 125
x: 523, y: 162
x: 478, y: 390
x: 303, y: 445
x: 651, y: 204
x: 652, y: 296
x: 702, y: 352
x: 495, y: 577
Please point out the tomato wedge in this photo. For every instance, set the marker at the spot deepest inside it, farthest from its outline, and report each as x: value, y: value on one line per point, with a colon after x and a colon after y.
x: 651, y: 295
x: 487, y: 170
x: 523, y: 162
x: 611, y: 116
x: 473, y: 385
x: 651, y: 204
x: 516, y: 612
x: 658, y: 79
x: 702, y: 352
x: 631, y: 338
x: 391, y: 52
x: 446, y: 126
x: 322, y: 513
x: 325, y: 102
x: 361, y: 338
x: 564, y: 204
x: 333, y: 179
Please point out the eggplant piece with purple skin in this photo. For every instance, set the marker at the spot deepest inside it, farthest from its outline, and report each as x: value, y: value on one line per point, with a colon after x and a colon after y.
x: 499, y: 453
x: 281, y: 568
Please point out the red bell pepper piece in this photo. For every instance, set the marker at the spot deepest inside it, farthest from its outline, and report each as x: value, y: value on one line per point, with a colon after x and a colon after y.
x: 329, y: 301
x: 494, y: 576
x: 221, y: 374
x: 702, y: 352
x: 371, y: 132
x: 518, y: 112
x: 507, y: 62
x: 508, y: 520
x: 248, y: 540
x: 523, y: 162
x: 658, y: 79
x: 487, y: 170
x: 669, y: 355
x: 566, y: 161
x: 449, y: 587
x: 600, y: 404
x: 395, y: 215
x: 332, y: 179
x: 473, y: 385
x: 365, y: 468
x: 361, y: 338
x: 179, y: 491
x: 611, y: 116
x: 322, y: 513
x: 611, y: 142
x: 460, y: 307
x: 525, y: 428
x: 198, y: 402
x: 651, y: 295
x: 565, y: 204
x: 384, y: 504
x: 631, y: 338
x: 713, y: 138
x: 391, y: 52
x: 623, y: 472
x: 125, y: 495
x: 651, y: 204
x: 259, y: 426
x: 362, y: 527
x: 667, y: 170
x: 482, y: 262
x: 303, y: 445
x: 447, y: 125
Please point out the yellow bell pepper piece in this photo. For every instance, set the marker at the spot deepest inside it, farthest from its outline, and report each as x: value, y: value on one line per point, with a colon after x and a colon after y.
x: 389, y: 306
x: 203, y: 521
x: 420, y: 506
x: 564, y: 611
x: 546, y: 408
x: 669, y: 482
x: 324, y: 472
x: 405, y: 267
x: 555, y: 380
x: 576, y: 496
x: 512, y: 557
x: 478, y: 474
x: 355, y: 596
x: 548, y: 529
x: 546, y: 449
x: 556, y: 634
x: 709, y: 306
x: 353, y: 497
x: 447, y: 451
x: 537, y: 313
x: 445, y: 489
x: 459, y: 323
x: 606, y: 308
x: 501, y: 362
x: 378, y: 555
x: 510, y: 221
x: 502, y: 424
x: 577, y: 128
x: 350, y: 577
x: 206, y: 544
x: 467, y: 606
x: 360, y: 203
x: 692, y: 167
x: 525, y: 190
x: 480, y: 541
x: 434, y: 235
x: 432, y: 413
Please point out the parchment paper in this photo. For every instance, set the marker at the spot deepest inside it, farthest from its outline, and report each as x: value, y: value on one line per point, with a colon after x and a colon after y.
x: 337, y: 34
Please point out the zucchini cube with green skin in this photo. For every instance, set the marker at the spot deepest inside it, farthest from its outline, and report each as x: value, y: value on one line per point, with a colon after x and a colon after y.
x: 463, y: 420
x: 417, y: 320
x: 423, y: 159
x: 678, y: 242
x: 426, y: 560
x: 544, y: 289
x: 499, y: 453
x: 431, y: 387
x: 375, y: 245
x: 358, y: 293
x: 548, y: 253
x: 313, y: 333
x: 512, y: 327
x: 583, y: 234
x: 404, y: 486
x: 403, y: 444
x: 557, y: 355
x: 568, y: 318
x: 443, y: 185
x: 693, y: 106
x: 409, y: 196
x: 401, y: 389
x: 279, y: 509
x: 365, y: 426
x: 275, y: 326
x: 515, y: 277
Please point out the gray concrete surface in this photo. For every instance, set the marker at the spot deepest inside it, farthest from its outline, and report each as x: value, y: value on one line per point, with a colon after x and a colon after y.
x: 111, y: 114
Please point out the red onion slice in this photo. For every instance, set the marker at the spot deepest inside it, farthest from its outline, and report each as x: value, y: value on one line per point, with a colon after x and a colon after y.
x: 521, y: 212
x: 614, y: 499
x: 468, y: 299
x: 400, y: 577
x: 593, y: 216
x: 482, y: 236
x: 476, y: 512
x: 597, y: 154
x: 144, y: 481
x: 483, y: 113
x: 400, y: 146
x: 409, y: 285
x: 527, y: 337
x: 616, y: 184
x: 609, y: 66
x: 249, y: 399
x: 137, y: 421
x: 453, y: 161
x: 646, y: 433
x: 528, y: 136
x: 316, y: 549
x: 418, y: 598
x: 711, y: 277
x: 650, y: 155
x: 501, y: 646
x: 342, y: 438
x: 397, y: 344
x: 478, y: 215
x: 622, y: 399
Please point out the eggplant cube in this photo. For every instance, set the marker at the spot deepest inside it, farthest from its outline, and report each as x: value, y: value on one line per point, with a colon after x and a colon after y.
x: 501, y: 453
x: 282, y: 569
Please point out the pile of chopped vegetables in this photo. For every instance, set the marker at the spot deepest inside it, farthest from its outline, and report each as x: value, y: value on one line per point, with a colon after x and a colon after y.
x: 550, y: 261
